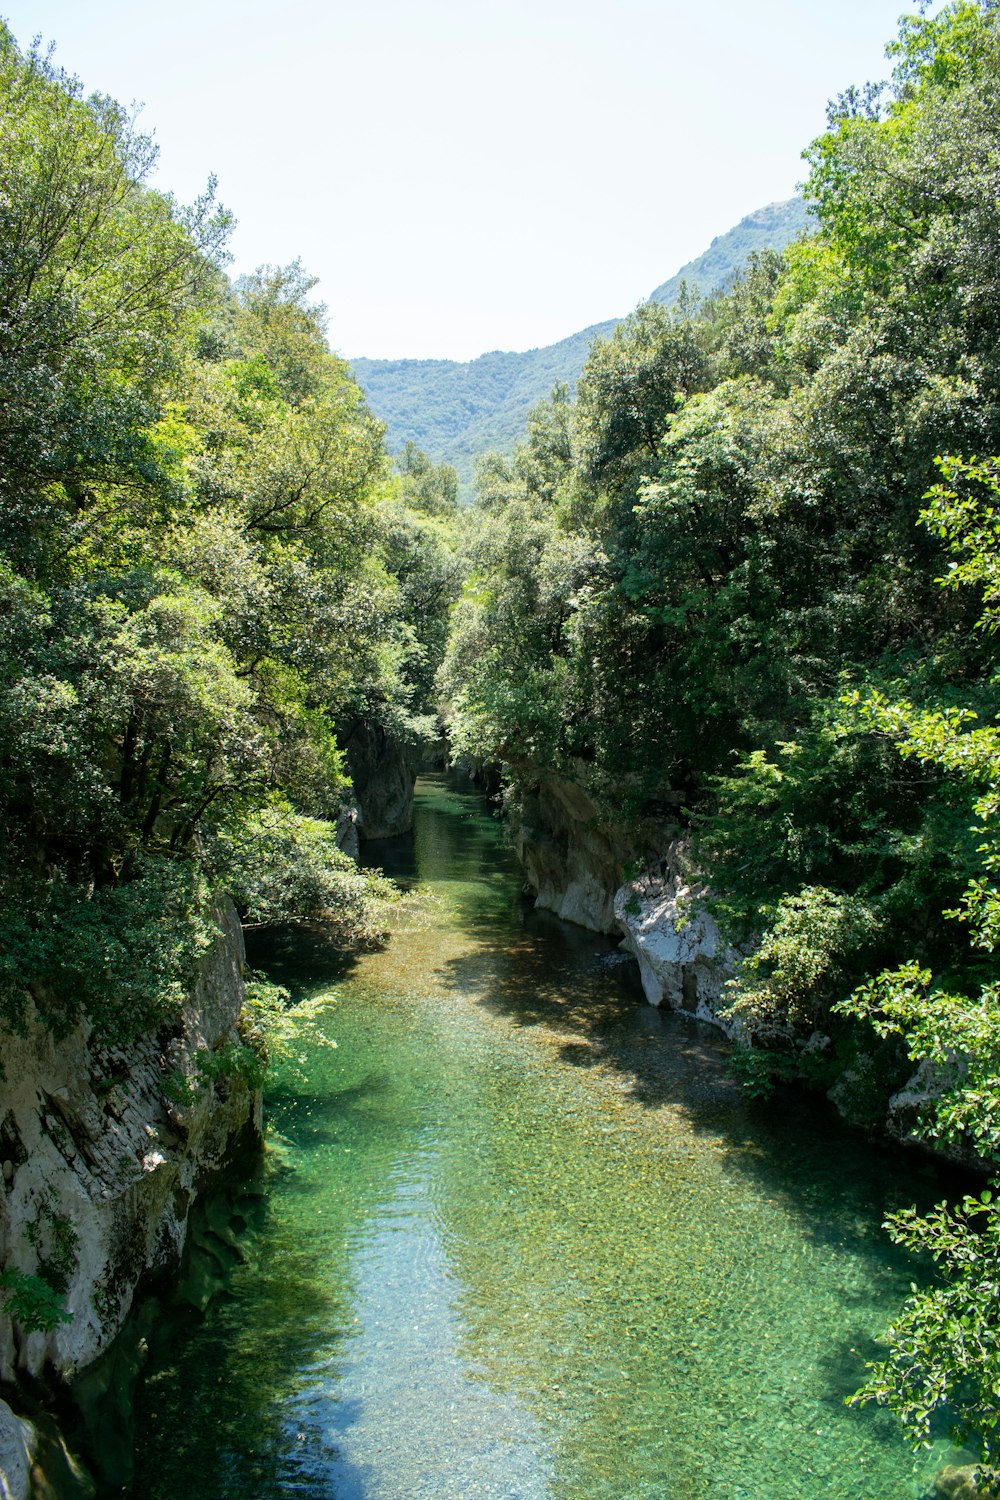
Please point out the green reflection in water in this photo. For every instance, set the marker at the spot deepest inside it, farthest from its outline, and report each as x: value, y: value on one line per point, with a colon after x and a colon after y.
x: 522, y: 1237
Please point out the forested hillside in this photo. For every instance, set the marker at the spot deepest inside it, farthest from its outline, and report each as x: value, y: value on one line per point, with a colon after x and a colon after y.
x: 745, y: 587
x: 455, y: 411
x: 205, y: 568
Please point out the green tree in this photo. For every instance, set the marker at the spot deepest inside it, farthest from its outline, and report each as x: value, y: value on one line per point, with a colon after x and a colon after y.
x: 506, y: 677
x: 942, y: 1349
x: 192, y: 570
x: 98, y: 278
x: 631, y: 383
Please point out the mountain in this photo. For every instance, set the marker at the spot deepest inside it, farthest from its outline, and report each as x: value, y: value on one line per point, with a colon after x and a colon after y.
x: 769, y: 228
x: 455, y: 411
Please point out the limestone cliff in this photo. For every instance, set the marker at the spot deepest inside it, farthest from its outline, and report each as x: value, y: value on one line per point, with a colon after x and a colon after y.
x: 383, y: 769
x: 571, y: 860
x: 575, y: 863
x: 682, y: 956
x: 685, y: 963
x: 103, y: 1150
x: 17, y: 1448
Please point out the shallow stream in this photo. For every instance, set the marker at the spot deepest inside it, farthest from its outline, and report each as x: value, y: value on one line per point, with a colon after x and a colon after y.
x: 518, y: 1235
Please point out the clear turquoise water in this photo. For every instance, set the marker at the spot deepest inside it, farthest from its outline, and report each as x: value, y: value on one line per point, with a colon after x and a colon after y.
x: 519, y: 1236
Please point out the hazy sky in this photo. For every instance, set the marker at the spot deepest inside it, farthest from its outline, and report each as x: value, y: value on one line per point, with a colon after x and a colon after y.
x: 465, y: 176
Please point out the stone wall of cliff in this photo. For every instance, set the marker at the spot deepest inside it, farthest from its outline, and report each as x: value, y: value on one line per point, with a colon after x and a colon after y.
x: 572, y: 861
x: 102, y: 1151
x: 575, y: 863
x: 383, y: 771
x: 683, y: 959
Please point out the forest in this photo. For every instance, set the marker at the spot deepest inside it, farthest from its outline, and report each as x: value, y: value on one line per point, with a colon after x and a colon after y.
x: 744, y: 584
x: 207, y: 567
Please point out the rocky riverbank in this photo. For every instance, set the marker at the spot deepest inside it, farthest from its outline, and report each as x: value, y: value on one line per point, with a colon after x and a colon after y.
x: 577, y: 866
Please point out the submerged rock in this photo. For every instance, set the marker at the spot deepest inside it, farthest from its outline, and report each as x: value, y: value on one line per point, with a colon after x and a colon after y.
x: 967, y: 1482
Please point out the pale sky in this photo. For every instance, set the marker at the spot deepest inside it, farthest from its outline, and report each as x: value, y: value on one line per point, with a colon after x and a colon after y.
x: 465, y: 176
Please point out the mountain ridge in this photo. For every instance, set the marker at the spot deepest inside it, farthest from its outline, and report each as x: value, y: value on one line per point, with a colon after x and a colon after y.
x: 455, y: 409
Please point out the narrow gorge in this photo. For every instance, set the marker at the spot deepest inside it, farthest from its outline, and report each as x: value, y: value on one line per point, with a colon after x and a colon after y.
x: 633, y: 1132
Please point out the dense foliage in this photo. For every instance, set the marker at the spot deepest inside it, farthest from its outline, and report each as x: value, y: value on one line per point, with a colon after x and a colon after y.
x: 711, y: 590
x: 204, y: 567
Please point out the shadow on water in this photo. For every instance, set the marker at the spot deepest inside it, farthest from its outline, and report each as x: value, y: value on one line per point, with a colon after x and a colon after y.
x: 224, y: 1406
x: 661, y: 1060
x: 534, y: 970
x: 301, y: 958
x: 315, y: 1119
x: 196, y: 1383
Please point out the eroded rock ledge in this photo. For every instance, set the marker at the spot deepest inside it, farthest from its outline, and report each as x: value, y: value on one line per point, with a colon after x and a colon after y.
x: 572, y: 862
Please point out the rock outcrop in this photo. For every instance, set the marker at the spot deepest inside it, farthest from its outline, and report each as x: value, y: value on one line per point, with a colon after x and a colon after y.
x: 967, y: 1482
x: 17, y: 1444
x: 910, y: 1109
x: 348, y: 826
x: 102, y: 1151
x: 572, y: 862
x: 383, y: 770
x: 683, y: 959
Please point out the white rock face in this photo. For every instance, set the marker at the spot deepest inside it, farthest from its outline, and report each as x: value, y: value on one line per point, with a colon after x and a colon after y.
x: 571, y: 862
x: 17, y: 1441
x: 99, y: 1167
x: 910, y: 1108
x: 574, y: 864
x: 583, y: 900
x: 683, y: 959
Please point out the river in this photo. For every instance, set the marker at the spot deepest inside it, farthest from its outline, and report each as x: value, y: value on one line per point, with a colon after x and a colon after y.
x: 518, y: 1235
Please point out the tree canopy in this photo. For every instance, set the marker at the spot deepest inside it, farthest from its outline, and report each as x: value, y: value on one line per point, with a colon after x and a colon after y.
x: 201, y: 574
